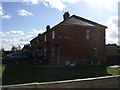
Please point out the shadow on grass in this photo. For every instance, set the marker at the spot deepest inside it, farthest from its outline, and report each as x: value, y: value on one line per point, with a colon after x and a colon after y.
x: 25, y: 74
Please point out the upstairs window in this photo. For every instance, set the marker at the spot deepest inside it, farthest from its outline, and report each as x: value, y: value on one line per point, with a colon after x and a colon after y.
x: 37, y: 40
x: 45, y: 38
x: 53, y: 35
x: 87, y: 34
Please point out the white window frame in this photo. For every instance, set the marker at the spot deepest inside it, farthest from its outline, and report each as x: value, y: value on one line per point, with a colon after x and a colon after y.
x: 45, y: 38
x: 53, y: 35
x: 87, y: 34
x: 53, y: 52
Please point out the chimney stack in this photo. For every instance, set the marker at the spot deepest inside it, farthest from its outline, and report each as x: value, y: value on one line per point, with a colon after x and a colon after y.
x: 66, y: 16
x: 48, y: 28
x: 39, y: 34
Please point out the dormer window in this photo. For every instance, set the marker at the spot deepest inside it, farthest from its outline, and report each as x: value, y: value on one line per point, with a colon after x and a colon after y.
x: 53, y: 35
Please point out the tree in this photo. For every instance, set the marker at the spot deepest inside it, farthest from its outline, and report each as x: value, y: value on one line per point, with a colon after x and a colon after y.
x: 2, y: 49
x: 13, y: 49
x: 19, y: 48
x: 2, y: 52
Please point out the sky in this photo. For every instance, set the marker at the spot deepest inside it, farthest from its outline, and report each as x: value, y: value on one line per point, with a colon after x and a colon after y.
x: 22, y: 20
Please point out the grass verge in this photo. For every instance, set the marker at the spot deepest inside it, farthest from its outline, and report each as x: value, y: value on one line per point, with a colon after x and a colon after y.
x: 24, y: 74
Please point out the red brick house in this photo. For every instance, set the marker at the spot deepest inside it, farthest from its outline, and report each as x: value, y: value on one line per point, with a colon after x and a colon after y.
x: 74, y: 37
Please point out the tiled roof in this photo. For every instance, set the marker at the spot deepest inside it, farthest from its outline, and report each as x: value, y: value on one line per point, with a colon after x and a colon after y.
x: 34, y: 39
x: 76, y: 20
x: 89, y: 21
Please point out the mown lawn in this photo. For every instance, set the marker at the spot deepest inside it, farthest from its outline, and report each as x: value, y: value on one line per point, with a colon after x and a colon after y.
x: 25, y: 74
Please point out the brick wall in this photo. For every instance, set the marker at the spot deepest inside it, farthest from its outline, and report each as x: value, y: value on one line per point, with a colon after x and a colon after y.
x: 73, y: 43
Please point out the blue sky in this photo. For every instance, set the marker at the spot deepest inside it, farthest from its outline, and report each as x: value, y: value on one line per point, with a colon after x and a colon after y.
x: 22, y: 21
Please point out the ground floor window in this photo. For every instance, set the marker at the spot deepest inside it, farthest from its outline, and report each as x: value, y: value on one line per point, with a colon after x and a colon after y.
x: 53, y: 52
x: 44, y: 51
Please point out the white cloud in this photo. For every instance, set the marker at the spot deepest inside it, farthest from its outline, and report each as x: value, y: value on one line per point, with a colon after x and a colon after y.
x: 26, y: 38
x: 60, y: 4
x: 36, y: 32
x: 15, y: 33
x: 2, y: 34
x: 21, y: 40
x: 1, y: 11
x: 24, y: 13
x: 18, y: 38
x: 55, y: 4
x: 113, y: 22
x: 3, y: 15
x: 112, y: 31
x: 33, y: 1
x: 6, y: 16
x: 73, y: 1
x: 12, y: 33
x: 8, y: 43
x: 49, y: 3
x: 113, y: 34
x: 110, y: 4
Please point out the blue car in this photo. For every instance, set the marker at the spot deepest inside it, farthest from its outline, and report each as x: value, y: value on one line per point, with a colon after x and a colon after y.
x: 18, y: 55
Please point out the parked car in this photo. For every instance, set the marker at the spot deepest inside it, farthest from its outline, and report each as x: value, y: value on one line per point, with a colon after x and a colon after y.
x: 18, y: 55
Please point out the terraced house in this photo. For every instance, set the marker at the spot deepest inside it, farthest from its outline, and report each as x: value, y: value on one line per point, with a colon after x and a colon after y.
x: 73, y: 38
